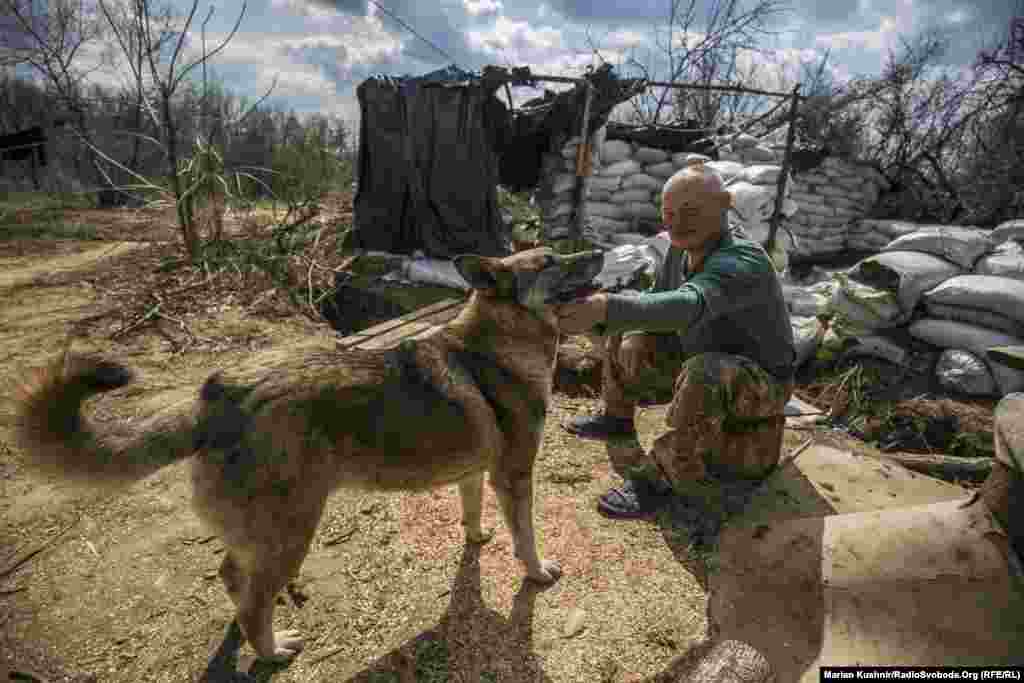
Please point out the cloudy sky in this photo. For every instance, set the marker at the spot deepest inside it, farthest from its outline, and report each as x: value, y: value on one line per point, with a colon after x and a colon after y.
x: 320, y: 50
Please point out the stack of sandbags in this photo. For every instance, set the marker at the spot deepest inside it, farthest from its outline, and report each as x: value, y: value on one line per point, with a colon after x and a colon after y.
x: 748, y: 150
x: 753, y: 190
x: 872, y: 234
x: 831, y: 198
x: 554, y: 195
x: 972, y: 311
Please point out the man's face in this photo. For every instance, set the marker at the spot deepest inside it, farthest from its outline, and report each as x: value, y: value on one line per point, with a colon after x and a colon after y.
x: 691, y: 210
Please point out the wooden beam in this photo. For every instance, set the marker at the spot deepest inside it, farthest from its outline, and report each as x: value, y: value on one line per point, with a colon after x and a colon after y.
x: 370, y: 337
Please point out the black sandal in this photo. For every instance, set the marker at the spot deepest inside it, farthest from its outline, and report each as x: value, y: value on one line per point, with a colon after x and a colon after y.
x: 636, y: 498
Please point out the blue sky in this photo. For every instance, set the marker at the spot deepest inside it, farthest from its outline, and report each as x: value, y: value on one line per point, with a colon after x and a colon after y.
x: 320, y: 50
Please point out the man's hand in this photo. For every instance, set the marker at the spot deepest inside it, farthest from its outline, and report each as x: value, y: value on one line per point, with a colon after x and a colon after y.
x: 579, y: 316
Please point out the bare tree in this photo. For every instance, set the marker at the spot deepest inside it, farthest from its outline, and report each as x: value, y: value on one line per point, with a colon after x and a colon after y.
x: 153, y: 42
x: 55, y: 47
x: 700, y: 47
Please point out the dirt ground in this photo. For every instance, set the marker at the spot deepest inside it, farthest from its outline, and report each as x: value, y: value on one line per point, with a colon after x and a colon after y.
x: 124, y: 587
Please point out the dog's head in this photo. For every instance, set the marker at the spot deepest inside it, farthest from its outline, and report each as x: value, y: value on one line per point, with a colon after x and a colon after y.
x: 536, y: 278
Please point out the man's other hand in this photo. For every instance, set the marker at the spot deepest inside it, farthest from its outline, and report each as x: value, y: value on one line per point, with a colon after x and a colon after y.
x: 581, y: 315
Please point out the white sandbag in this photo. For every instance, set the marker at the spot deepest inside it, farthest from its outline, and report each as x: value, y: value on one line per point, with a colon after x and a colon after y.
x: 1006, y: 261
x: 636, y: 194
x: 682, y: 159
x: 744, y: 141
x: 563, y: 182
x: 599, y: 195
x: 974, y: 316
x: 807, y: 335
x: 1009, y: 230
x: 609, y: 225
x: 643, y: 181
x: 908, y: 273
x: 556, y: 209
x: 613, y: 151
x: 761, y: 174
x: 759, y: 155
x: 607, y: 184
x: 963, y: 246
x: 605, y: 209
x: 963, y: 372
x: 809, y: 301
x: 649, y: 155
x: 642, y: 210
x: 726, y: 170
x: 984, y: 292
x: 867, y: 307
x: 665, y: 169
x: 753, y: 202
x: 950, y: 334
x: 621, y: 168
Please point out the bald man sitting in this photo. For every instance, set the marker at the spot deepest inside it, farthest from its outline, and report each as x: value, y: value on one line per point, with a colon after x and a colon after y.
x: 715, y: 330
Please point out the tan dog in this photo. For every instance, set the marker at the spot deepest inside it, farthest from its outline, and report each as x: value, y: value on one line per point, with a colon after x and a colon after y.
x: 269, y: 444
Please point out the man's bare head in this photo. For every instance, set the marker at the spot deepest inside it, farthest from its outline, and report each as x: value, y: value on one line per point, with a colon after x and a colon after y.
x: 694, y: 205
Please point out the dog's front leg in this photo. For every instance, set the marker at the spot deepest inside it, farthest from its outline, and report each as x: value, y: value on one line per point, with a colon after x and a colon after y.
x: 471, y: 492
x: 516, y: 499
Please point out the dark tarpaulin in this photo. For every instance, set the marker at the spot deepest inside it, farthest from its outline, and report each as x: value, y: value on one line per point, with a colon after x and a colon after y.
x: 554, y: 118
x: 687, y: 137
x: 428, y: 167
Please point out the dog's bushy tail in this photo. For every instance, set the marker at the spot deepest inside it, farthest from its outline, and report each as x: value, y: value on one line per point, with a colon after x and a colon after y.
x: 56, y: 439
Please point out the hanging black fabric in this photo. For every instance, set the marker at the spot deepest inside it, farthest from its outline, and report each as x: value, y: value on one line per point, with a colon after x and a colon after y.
x: 428, y: 167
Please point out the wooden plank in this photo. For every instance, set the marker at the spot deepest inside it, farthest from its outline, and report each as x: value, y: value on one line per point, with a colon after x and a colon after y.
x: 410, y: 330
x: 360, y: 339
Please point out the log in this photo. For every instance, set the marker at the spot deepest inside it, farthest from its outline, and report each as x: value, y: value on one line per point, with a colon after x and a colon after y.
x: 731, y: 661
x: 944, y: 466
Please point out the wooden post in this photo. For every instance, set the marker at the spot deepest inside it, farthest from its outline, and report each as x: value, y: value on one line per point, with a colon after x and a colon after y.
x: 784, y: 176
x: 582, y: 174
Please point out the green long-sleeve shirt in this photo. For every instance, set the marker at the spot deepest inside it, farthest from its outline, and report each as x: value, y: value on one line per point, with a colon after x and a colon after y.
x: 733, y: 305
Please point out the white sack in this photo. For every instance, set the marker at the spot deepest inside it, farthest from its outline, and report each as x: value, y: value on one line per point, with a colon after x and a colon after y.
x: 663, y: 170
x: 974, y: 316
x: 984, y: 292
x: 1009, y: 230
x: 643, y: 181
x: 613, y: 151
x: 621, y: 168
x: 633, y: 195
x: 908, y: 273
x: 949, y: 334
x: 965, y: 373
x: 1006, y: 261
x: 649, y: 155
x: 962, y: 246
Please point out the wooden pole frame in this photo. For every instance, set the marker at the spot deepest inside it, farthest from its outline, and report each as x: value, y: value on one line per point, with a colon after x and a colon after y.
x: 787, y: 161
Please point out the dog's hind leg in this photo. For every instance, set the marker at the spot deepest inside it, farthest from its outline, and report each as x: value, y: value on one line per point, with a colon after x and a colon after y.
x: 471, y: 492
x: 255, y: 577
x: 516, y: 500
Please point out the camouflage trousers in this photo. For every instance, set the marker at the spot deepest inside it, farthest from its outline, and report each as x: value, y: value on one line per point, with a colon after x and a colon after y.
x: 726, y: 417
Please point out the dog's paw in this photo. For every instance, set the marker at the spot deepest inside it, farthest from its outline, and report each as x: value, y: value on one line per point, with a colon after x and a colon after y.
x: 547, y: 572
x: 287, y: 644
x: 480, y: 536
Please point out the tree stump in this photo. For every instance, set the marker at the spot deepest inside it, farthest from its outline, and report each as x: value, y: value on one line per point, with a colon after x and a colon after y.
x: 732, y: 661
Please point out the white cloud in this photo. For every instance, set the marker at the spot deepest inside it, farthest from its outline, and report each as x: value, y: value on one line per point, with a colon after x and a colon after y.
x: 517, y: 41
x: 477, y: 8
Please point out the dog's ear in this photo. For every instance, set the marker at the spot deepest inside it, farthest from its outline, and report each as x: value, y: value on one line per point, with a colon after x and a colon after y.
x: 476, y: 270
